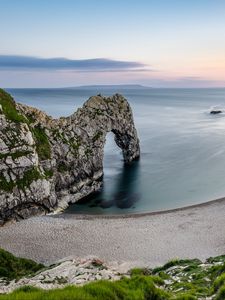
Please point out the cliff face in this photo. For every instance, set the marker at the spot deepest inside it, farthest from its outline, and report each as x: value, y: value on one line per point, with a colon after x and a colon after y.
x: 47, y: 163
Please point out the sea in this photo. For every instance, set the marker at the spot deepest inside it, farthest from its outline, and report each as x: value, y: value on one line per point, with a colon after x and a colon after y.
x: 182, y: 159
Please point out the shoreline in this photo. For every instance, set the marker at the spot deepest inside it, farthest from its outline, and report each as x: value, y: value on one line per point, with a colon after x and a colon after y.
x: 136, y: 215
x: 138, y: 240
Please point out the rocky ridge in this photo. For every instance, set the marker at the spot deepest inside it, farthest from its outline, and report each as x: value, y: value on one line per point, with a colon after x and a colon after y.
x: 72, y: 271
x: 176, y: 280
x: 47, y: 163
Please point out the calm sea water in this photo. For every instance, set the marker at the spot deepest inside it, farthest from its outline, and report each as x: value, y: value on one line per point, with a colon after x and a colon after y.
x: 182, y: 148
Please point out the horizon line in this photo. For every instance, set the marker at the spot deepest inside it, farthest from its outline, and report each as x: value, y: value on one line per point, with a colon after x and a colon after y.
x: 117, y: 85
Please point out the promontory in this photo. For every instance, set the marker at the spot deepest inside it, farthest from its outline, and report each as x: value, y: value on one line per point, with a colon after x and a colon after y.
x: 46, y: 163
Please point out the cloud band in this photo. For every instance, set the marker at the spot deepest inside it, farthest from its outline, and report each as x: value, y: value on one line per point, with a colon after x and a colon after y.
x: 96, y: 64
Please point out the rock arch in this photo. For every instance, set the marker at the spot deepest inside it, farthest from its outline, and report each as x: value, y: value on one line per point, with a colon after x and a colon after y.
x: 53, y: 162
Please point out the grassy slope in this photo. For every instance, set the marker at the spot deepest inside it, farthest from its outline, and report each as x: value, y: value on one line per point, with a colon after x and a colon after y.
x: 9, y: 108
x: 12, y: 267
x: 176, y: 280
x: 136, y: 288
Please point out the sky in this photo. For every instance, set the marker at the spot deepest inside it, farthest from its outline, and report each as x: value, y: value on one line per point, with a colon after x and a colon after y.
x: 159, y: 43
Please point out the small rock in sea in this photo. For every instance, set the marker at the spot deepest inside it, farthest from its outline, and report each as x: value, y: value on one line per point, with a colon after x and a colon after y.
x: 215, y: 112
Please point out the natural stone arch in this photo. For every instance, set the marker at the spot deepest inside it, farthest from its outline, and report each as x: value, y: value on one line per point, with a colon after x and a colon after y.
x: 58, y: 161
x: 90, y: 125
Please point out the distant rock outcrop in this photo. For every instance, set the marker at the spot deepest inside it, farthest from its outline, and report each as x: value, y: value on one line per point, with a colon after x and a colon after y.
x: 215, y: 112
x: 46, y: 163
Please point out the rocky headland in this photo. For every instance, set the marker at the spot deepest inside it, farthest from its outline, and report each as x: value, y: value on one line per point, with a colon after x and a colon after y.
x: 92, y: 279
x: 46, y: 163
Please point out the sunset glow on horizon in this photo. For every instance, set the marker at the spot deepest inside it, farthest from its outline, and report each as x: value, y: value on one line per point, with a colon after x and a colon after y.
x: 71, y: 43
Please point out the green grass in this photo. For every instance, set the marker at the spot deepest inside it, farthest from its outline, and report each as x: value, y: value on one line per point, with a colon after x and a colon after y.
x: 177, y: 262
x: 221, y: 294
x: 42, y: 144
x: 136, y: 288
x: 28, y: 177
x: 140, y: 271
x: 15, y: 155
x: 9, y: 108
x: 5, y: 185
x: 190, y: 277
x: 219, y: 282
x: 189, y: 284
x: 12, y: 267
x: 43, y: 147
x: 49, y: 173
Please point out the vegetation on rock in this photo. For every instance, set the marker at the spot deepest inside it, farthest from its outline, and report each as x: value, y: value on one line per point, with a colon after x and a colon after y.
x: 28, y: 177
x: 135, y: 288
x: 12, y: 267
x: 15, y: 155
x: 97, y: 136
x: 176, y: 280
x: 42, y: 144
x: 68, y: 150
x: 9, y: 108
x: 62, y: 167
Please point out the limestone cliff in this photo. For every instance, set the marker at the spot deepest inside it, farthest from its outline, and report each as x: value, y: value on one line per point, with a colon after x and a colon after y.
x: 46, y: 163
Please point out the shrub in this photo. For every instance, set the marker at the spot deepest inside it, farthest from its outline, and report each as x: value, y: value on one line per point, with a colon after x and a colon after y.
x: 140, y: 271
x: 12, y: 267
x: 219, y: 282
x: 221, y: 294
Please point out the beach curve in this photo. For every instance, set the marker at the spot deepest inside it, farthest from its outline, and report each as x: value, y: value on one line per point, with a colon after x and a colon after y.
x: 148, y: 239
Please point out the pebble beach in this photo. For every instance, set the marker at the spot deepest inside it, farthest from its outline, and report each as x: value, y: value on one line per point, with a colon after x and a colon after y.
x: 134, y: 240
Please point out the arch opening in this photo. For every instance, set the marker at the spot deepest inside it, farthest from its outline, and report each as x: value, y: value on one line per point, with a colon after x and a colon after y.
x: 119, y: 191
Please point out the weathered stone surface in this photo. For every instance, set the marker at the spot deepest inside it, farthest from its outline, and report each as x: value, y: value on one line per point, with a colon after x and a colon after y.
x: 46, y: 163
x: 73, y: 271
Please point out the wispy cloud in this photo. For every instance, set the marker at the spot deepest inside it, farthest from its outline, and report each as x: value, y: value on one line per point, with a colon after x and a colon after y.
x: 15, y: 62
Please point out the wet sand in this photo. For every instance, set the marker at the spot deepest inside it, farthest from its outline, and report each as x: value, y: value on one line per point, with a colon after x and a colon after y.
x: 137, y: 240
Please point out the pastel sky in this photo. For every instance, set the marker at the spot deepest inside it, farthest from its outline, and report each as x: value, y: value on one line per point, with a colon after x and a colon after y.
x: 159, y: 43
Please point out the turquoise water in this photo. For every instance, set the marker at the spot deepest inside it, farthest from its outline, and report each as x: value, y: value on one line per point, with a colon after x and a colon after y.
x: 182, y: 148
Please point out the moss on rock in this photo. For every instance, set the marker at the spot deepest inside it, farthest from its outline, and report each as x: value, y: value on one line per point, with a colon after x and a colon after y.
x: 29, y: 176
x: 42, y: 143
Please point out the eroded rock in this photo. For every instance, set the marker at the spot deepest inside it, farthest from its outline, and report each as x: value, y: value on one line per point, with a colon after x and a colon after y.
x: 46, y: 163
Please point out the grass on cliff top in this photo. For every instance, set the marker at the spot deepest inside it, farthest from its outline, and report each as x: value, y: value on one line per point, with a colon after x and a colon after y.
x: 136, y: 288
x: 193, y: 277
x: 11, y: 113
x: 176, y: 280
x: 9, y: 107
x: 12, y: 267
